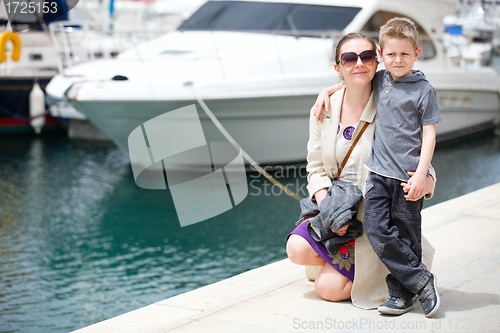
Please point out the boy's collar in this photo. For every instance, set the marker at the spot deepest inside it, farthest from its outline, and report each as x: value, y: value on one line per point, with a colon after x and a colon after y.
x: 411, y: 78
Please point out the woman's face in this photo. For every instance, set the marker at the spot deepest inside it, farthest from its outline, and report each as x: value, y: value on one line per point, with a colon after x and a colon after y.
x: 360, y: 73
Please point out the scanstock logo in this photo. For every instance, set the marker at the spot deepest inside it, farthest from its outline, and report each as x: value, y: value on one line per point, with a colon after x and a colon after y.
x: 26, y: 14
x: 205, y: 179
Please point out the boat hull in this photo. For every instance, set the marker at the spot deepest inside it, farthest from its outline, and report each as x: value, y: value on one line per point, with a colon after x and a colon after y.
x: 14, y: 105
x: 275, y: 130
x: 271, y: 130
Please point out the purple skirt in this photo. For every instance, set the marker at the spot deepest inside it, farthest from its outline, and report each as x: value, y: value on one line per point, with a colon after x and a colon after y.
x: 343, y: 261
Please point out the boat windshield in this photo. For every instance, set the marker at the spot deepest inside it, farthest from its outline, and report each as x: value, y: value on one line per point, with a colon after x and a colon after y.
x: 267, y: 17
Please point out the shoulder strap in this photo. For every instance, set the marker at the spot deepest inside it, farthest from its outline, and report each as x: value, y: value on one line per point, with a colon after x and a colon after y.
x: 350, y: 150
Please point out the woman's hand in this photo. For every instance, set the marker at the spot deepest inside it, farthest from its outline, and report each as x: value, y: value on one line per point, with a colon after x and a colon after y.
x: 320, y: 195
x: 341, y: 231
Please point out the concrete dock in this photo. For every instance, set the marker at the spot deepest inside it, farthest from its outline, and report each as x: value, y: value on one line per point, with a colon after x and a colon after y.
x: 278, y: 298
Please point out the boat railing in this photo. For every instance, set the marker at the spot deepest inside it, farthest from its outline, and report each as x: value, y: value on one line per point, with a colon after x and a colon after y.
x: 77, y: 42
x: 82, y: 42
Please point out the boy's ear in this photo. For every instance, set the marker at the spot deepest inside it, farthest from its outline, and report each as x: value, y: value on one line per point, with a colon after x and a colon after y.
x: 380, y: 52
x: 417, y: 53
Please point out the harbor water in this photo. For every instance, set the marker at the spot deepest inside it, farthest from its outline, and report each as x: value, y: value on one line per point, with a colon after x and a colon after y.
x: 80, y: 242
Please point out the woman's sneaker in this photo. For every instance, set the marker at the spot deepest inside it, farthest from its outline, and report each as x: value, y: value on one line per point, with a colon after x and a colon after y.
x: 429, y: 297
x: 395, y: 306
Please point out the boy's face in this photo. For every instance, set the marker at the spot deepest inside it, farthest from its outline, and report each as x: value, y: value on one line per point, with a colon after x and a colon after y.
x: 399, y: 56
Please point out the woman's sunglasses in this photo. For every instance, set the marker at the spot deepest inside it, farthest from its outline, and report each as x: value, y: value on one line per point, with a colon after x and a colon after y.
x: 349, y: 59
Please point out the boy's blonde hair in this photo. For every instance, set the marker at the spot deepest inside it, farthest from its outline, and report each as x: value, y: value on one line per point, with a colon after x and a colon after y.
x: 400, y: 28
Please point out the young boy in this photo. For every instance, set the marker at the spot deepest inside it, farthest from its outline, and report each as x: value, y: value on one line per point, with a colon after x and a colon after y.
x: 403, y: 146
x: 404, y: 141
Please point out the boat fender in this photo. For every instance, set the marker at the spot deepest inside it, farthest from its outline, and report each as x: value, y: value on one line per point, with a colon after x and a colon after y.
x: 37, y: 108
x: 16, y: 46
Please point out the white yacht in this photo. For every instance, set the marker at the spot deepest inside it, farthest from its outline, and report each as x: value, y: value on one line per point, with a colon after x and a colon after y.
x: 259, y: 67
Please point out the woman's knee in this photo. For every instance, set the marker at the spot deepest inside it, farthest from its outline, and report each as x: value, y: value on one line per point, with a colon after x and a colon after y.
x: 298, y: 250
x: 333, y: 293
x: 332, y: 287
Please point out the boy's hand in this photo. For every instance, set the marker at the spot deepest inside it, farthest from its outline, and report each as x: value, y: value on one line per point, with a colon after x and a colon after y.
x: 324, y: 99
x: 416, y: 187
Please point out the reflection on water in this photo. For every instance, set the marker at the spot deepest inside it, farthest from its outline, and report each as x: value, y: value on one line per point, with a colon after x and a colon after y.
x: 80, y: 242
x: 466, y: 167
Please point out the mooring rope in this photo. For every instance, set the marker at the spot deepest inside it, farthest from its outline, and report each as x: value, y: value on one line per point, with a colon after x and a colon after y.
x: 244, y: 153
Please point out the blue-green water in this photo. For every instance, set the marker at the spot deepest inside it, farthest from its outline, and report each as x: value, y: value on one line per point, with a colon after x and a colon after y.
x: 80, y: 242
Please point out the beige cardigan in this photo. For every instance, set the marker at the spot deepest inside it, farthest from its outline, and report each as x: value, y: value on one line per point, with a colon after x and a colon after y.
x: 369, y: 289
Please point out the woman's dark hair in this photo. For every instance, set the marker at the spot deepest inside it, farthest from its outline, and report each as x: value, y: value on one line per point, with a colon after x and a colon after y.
x: 351, y: 36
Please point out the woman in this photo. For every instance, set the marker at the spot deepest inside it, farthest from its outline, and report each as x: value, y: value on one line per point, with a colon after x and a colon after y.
x: 329, y: 140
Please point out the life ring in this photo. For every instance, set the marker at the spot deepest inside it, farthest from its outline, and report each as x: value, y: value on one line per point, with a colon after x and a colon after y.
x: 16, y: 46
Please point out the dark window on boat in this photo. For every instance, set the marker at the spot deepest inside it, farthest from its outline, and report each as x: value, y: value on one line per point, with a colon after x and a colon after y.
x: 373, y: 25
x: 35, y: 57
x: 322, y: 17
x: 297, y: 19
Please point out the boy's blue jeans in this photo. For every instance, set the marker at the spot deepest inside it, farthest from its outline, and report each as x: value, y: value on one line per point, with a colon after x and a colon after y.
x: 393, y: 227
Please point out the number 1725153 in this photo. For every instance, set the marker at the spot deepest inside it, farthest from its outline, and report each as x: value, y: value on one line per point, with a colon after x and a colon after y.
x: 16, y: 7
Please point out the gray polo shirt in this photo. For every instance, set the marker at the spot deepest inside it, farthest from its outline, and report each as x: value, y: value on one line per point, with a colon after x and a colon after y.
x: 403, y: 107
